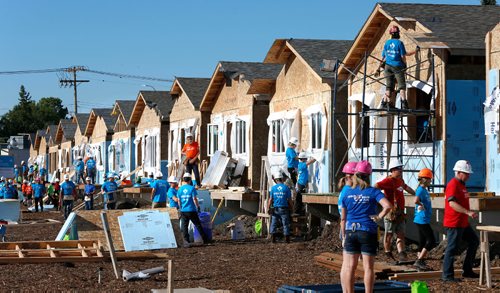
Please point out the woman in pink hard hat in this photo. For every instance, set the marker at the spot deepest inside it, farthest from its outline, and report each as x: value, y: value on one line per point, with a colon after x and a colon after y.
x: 345, y: 182
x: 359, y: 227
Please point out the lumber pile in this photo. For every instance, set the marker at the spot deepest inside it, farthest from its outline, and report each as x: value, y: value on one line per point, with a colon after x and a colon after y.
x: 432, y: 275
x: 382, y: 270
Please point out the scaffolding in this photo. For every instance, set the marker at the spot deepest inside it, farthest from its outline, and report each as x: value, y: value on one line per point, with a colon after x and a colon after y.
x: 384, y: 134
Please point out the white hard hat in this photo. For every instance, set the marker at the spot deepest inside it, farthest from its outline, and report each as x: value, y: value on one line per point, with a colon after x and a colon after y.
x: 22, y: 162
x: 2, y: 178
x: 463, y: 166
x: 395, y: 163
x: 66, y: 177
x: 159, y: 175
x: 87, y: 179
x: 277, y: 175
x: 172, y: 179
x: 57, y: 180
x: 67, y: 169
x: 294, y: 140
x: 10, y: 181
x: 79, y: 158
x: 25, y: 181
x: 124, y: 174
x: 15, y: 166
x: 303, y: 155
x: 189, y: 134
x: 186, y: 175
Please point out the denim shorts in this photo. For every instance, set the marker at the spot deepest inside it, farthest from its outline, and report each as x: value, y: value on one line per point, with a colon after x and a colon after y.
x: 361, y: 242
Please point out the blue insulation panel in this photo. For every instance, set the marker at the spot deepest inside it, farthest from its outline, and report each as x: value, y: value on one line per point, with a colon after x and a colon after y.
x: 465, y: 129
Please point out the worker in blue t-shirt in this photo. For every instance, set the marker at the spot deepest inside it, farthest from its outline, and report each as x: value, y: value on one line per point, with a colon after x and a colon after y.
x: 39, y: 192
x: 108, y: 189
x: 88, y: 194
x: 189, y: 207
x: 172, y: 191
x: 68, y: 195
x: 16, y: 174
x: 91, y: 169
x: 302, y: 181
x: 394, y: 58
x: 159, y: 192
x: 279, y: 206
x: 358, y: 225
x: 79, y: 169
x: 8, y: 191
x: 292, y: 161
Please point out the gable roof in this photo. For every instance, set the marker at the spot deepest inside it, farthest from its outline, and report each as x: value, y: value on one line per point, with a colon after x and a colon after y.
x: 459, y: 28
x: 82, y: 119
x: 125, y: 107
x: 312, y: 52
x: 193, y: 87
x: 105, y: 113
x: 161, y: 101
x: 66, y: 129
x: 38, y: 138
x: 260, y: 75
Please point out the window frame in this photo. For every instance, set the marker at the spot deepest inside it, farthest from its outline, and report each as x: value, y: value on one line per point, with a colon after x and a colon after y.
x: 212, y: 139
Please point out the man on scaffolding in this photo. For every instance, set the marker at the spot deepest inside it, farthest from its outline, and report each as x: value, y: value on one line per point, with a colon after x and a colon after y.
x: 394, y: 65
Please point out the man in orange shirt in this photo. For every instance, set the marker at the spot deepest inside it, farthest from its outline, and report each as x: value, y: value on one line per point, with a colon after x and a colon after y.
x: 192, y: 150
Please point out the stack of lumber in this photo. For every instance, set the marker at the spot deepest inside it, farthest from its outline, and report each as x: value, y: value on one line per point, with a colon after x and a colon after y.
x: 382, y: 270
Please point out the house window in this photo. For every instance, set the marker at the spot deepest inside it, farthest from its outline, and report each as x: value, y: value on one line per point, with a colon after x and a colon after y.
x: 153, y: 150
x: 213, y: 139
x: 424, y: 129
x: 316, y: 133
x: 241, y: 137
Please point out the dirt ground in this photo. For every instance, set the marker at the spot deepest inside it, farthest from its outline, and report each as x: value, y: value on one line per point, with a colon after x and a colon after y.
x: 239, y: 266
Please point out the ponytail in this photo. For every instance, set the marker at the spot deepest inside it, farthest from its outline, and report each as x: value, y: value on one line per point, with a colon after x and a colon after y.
x: 361, y: 180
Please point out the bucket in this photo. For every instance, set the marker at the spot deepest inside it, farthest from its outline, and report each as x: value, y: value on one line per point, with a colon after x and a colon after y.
x: 206, y: 224
x: 238, y: 231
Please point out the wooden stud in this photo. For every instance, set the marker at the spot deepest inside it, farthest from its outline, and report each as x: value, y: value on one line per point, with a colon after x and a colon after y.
x: 170, y: 284
x: 111, y: 248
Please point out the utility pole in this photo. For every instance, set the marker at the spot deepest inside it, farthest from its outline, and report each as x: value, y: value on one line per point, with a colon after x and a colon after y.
x: 73, y: 82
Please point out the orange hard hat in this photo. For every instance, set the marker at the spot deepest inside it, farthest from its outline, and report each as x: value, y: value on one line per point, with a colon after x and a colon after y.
x: 394, y: 29
x: 425, y: 173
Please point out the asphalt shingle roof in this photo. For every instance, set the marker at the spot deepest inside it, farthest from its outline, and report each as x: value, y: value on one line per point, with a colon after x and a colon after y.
x: 160, y: 100
x: 194, y: 88
x: 82, y: 119
x: 126, y: 107
x: 459, y: 26
x: 69, y: 128
x: 253, y: 70
x: 314, y: 51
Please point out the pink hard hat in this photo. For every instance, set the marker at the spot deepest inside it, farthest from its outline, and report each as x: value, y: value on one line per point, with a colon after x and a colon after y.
x: 394, y: 30
x: 364, y: 167
x: 350, y: 168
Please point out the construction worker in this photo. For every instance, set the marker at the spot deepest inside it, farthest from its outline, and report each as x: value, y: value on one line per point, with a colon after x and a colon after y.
x: 394, y: 65
x: 8, y: 190
x: 16, y: 174
x: 422, y: 218
x: 27, y: 191
x: 291, y: 159
x: 57, y: 194
x: 192, y: 150
x: 42, y: 174
x: 358, y: 226
x: 109, y: 189
x: 39, y: 192
x: 302, y: 181
x: 31, y: 173
x: 172, y: 191
x: 279, y: 206
x: 79, y: 169
x: 394, y: 223
x: 90, y: 167
x: 456, y: 223
x: 150, y: 179
x: 159, y: 192
x: 88, y: 194
x: 345, y: 183
x: 68, y: 195
x: 189, y: 207
x: 125, y: 181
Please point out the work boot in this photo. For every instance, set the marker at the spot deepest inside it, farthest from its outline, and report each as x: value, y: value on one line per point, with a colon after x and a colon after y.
x: 273, y: 238
x: 402, y: 256
x: 404, y: 105
x: 472, y: 275
x: 421, y: 265
x: 287, y: 238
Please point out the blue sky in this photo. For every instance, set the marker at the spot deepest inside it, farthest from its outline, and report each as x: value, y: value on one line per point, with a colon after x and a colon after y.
x: 157, y: 38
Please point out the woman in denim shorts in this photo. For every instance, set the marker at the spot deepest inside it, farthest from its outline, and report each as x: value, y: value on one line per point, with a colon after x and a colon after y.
x: 359, y: 228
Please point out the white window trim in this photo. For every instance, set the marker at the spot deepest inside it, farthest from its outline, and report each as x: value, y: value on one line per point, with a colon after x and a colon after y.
x: 314, y: 110
x: 209, y: 139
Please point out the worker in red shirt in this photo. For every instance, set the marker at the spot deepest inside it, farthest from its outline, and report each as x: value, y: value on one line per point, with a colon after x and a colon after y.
x: 394, y: 222
x: 456, y: 223
x: 192, y: 150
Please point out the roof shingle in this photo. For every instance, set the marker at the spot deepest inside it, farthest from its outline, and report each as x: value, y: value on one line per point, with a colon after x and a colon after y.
x: 160, y: 100
x: 194, y: 88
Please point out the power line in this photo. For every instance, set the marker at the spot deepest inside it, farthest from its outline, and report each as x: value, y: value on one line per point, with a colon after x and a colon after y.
x: 120, y: 75
x: 32, y: 71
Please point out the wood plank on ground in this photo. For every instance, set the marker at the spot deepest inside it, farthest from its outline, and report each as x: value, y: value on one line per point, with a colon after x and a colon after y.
x: 432, y: 275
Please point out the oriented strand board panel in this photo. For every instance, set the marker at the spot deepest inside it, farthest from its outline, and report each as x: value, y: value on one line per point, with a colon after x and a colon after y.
x: 90, y: 226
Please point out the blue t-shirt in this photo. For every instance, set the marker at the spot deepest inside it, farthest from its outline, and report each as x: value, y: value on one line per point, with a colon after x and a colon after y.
x: 360, y: 205
x: 280, y: 194
x: 67, y: 187
x: 25, y: 168
x: 38, y: 190
x: 79, y: 166
x: 8, y: 192
x: 16, y: 172
x: 31, y: 169
x: 43, y: 171
x: 89, y: 188
x: 342, y: 194
x: 109, y: 186
x: 291, y: 158
x: 90, y: 164
x: 394, y: 50
x: 186, y: 195
x: 423, y: 217
x: 171, y: 202
x: 161, y: 187
x: 303, y: 174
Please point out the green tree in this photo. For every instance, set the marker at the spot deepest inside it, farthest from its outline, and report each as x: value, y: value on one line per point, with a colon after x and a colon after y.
x: 28, y: 116
x: 488, y: 2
